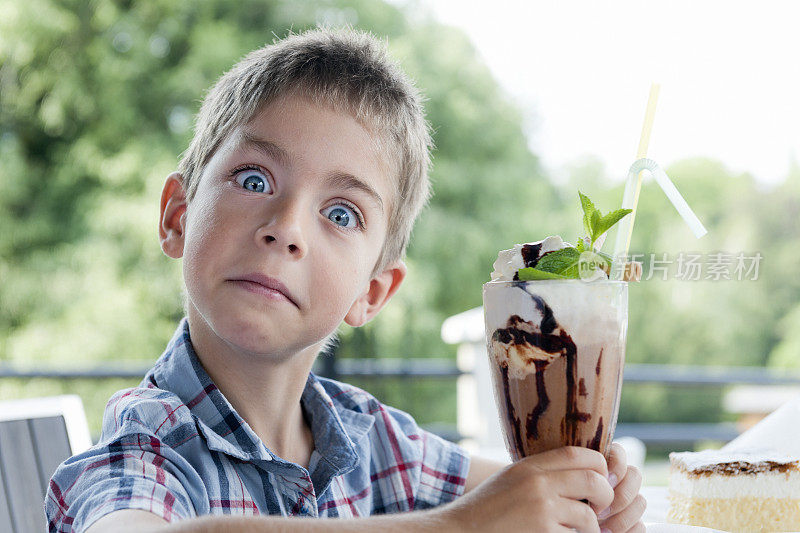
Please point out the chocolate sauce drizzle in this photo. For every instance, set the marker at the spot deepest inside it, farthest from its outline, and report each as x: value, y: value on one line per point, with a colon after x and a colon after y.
x: 532, y: 423
x: 594, y: 444
x: 549, y: 342
x: 512, y: 412
x: 530, y: 254
x: 574, y: 415
x: 599, y: 359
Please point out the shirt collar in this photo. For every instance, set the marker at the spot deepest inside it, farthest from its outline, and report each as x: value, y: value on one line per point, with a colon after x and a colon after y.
x: 336, y: 430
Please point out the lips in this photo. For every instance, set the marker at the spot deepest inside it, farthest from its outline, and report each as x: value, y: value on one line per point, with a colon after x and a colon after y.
x: 265, y: 285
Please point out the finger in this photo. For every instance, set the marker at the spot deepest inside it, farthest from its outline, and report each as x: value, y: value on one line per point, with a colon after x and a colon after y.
x: 568, y: 458
x: 558, y: 528
x: 617, y: 463
x: 577, y: 516
x: 628, y: 517
x: 583, y: 485
x: 624, y: 493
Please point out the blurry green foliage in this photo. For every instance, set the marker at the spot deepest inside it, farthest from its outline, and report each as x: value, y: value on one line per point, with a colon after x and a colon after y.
x: 96, y: 105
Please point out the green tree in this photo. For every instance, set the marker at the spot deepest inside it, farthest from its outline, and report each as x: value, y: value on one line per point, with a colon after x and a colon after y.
x: 703, y: 322
x: 96, y: 101
x: 96, y: 105
x: 780, y: 227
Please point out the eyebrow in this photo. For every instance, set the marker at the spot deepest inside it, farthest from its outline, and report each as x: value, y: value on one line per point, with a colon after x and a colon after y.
x: 342, y: 180
x: 268, y: 148
x: 347, y: 181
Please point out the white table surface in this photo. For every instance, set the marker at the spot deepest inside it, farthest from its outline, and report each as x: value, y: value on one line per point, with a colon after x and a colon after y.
x: 657, y: 504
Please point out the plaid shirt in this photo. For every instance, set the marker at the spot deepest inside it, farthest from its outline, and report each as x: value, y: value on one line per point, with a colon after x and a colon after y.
x: 175, y: 447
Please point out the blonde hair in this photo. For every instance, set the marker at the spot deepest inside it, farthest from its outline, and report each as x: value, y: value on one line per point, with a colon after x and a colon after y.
x: 347, y: 69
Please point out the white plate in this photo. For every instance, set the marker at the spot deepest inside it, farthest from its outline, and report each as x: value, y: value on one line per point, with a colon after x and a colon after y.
x: 676, y: 528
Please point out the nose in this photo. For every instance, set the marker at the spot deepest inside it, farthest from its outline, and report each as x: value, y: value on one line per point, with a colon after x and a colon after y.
x: 285, y: 229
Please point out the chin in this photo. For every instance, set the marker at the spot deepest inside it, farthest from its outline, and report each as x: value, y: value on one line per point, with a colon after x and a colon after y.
x: 248, y: 334
x: 263, y: 339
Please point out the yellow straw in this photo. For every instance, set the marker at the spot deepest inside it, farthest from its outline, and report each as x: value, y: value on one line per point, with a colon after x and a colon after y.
x: 644, y: 141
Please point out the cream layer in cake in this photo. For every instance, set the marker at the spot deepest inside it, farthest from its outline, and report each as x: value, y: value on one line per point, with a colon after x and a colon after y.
x: 735, y: 491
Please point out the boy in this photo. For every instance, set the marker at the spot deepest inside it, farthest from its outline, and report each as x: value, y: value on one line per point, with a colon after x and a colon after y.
x: 291, y: 210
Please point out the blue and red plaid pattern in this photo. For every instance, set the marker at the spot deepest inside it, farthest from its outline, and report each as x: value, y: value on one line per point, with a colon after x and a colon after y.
x: 174, y: 446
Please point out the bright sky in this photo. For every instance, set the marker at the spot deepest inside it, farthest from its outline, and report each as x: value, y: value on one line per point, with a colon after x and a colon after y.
x: 581, y: 70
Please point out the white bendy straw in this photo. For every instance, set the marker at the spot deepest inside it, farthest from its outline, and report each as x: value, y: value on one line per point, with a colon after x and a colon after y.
x: 625, y: 229
x: 633, y: 186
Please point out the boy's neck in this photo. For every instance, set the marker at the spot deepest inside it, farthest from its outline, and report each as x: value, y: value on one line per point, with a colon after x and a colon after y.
x: 266, y: 393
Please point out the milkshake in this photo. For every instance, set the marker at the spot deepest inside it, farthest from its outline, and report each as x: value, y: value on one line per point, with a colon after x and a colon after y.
x: 555, y: 334
x: 556, y: 352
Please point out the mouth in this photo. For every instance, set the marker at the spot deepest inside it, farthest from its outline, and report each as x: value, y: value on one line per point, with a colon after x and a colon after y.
x: 270, y: 288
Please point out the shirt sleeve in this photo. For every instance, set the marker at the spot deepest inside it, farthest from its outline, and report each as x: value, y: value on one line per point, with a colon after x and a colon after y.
x: 442, y: 465
x: 445, y: 466
x: 134, y: 471
x: 133, y: 467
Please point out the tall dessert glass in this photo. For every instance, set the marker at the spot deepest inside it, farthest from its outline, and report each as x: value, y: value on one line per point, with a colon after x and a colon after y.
x: 556, y: 352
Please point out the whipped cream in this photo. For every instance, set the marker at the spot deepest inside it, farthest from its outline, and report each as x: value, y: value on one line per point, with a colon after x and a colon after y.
x: 510, y: 261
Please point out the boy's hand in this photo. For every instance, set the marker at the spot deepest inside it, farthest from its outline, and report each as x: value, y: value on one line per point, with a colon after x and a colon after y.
x: 539, y: 493
x: 625, y: 513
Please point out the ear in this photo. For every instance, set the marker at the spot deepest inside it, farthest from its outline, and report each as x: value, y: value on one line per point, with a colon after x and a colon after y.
x: 172, y: 221
x: 381, y: 289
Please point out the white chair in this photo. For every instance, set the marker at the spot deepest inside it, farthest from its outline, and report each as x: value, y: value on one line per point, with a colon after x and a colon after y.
x: 36, y: 435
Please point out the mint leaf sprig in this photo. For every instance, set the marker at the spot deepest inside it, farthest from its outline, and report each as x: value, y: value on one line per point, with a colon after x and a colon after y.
x: 564, y: 263
x: 595, y: 223
x: 535, y: 274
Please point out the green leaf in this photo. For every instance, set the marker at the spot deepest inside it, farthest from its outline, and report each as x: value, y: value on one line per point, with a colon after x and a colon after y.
x: 594, y: 222
x: 596, y: 218
x: 605, y: 223
x: 587, y: 225
x: 588, y: 206
x: 589, y: 211
x: 533, y: 274
x: 563, y: 262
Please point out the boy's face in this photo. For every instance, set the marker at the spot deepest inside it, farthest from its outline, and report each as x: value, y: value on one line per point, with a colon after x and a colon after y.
x: 300, y: 196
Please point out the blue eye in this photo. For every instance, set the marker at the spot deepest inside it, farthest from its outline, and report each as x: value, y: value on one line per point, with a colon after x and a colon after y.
x: 341, y: 215
x: 253, y: 180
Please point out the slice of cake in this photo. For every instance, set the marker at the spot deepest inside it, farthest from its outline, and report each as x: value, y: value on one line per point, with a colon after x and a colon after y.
x: 735, y: 491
